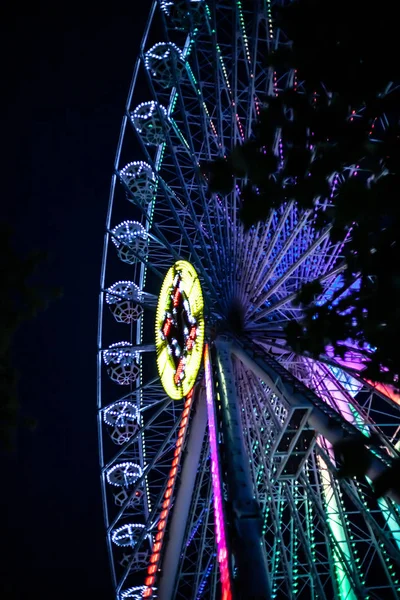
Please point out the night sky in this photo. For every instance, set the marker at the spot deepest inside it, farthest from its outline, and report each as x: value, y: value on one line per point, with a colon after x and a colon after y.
x: 66, y: 75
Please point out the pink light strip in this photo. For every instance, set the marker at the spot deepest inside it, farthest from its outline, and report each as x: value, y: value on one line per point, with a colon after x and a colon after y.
x: 222, y: 550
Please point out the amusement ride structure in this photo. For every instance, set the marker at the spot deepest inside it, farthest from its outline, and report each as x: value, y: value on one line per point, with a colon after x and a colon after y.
x: 218, y: 469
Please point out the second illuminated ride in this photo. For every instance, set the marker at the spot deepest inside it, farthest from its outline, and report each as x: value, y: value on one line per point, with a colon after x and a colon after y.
x: 215, y: 438
x: 179, y: 329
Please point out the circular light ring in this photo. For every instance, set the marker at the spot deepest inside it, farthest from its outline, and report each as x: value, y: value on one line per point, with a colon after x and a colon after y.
x: 137, y: 169
x: 166, y: 5
x: 140, y: 180
x: 136, y: 592
x: 130, y: 238
x: 122, y: 418
x: 181, y: 275
x: 124, y: 474
x: 165, y: 62
x: 177, y: 11
x: 160, y: 51
x: 123, y: 290
x: 121, y: 360
x: 127, y: 233
x: 121, y: 412
x: 146, y: 120
x: 147, y: 110
x: 120, y: 353
x: 127, y: 535
x: 124, y: 299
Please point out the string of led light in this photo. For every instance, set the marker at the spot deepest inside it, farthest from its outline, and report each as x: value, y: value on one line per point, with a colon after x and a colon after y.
x: 167, y: 499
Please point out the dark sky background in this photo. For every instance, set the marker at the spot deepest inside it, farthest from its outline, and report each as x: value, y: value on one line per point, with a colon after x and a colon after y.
x: 65, y: 75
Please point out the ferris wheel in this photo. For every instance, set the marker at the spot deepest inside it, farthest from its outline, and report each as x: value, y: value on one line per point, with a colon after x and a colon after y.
x: 218, y: 473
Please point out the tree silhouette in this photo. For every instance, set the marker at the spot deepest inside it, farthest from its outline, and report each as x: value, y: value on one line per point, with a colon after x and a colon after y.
x: 342, y: 123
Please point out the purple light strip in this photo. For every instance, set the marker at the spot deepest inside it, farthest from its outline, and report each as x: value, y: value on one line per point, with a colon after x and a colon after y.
x: 222, y: 550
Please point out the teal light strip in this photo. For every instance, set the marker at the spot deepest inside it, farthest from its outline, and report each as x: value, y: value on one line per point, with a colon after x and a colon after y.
x: 345, y: 587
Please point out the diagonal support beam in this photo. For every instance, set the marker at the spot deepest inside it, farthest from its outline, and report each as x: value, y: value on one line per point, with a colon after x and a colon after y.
x: 247, y: 539
x: 172, y: 557
x: 321, y: 417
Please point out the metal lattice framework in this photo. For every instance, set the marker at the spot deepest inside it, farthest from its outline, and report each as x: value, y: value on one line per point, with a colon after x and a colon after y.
x: 203, y: 84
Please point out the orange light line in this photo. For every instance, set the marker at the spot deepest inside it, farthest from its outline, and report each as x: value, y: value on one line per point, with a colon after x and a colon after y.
x: 166, y: 505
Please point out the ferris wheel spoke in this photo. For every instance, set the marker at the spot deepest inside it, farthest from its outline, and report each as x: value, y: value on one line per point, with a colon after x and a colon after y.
x: 257, y: 247
x: 259, y: 271
x: 146, y: 198
x: 287, y: 300
x: 283, y: 250
x: 250, y: 51
x: 229, y: 128
x: 197, y: 154
x: 132, y: 439
x: 183, y: 229
x: 211, y: 146
x: 200, y: 544
x: 261, y: 300
x: 167, y: 443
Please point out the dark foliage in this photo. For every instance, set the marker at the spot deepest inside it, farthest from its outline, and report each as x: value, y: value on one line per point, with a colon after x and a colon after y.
x: 343, y: 123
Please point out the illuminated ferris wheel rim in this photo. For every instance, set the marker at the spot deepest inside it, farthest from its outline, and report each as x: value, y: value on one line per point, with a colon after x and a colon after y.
x: 213, y: 289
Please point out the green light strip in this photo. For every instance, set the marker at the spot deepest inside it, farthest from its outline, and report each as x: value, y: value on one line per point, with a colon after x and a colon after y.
x: 295, y: 547
x: 345, y: 587
x: 384, y: 504
x: 389, y: 563
x: 245, y: 39
x: 390, y: 520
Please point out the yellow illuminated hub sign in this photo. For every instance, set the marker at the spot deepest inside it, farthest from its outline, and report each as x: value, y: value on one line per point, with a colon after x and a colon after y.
x: 179, y: 329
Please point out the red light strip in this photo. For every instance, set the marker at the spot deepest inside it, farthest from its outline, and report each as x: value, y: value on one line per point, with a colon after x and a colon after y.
x: 167, y: 327
x: 166, y: 505
x: 189, y: 345
x: 179, y: 370
x: 176, y: 297
x: 191, y: 338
